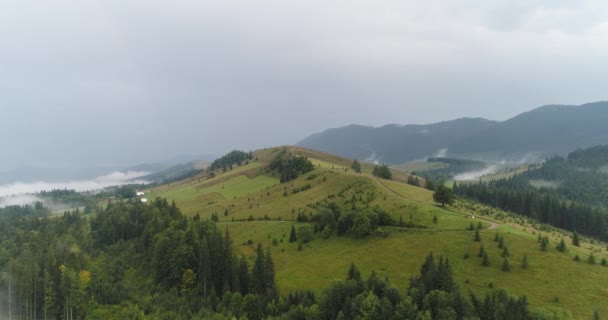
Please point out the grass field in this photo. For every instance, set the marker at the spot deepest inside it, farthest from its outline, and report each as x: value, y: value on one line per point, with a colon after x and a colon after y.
x: 553, y: 280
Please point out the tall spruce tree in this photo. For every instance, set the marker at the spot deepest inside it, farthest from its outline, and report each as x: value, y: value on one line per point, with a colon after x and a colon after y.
x: 258, y: 274
x: 576, y: 241
x: 293, y: 237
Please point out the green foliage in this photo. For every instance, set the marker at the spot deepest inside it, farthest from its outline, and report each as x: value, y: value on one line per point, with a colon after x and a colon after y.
x: 477, y: 236
x: 305, y: 233
x: 544, y: 242
x: 231, y: 158
x: 356, y: 166
x: 561, y: 247
x: 576, y: 241
x: 383, y: 172
x: 506, y: 266
x: 289, y: 166
x: 482, y: 251
x: 361, y: 225
x: 577, y: 202
x: 443, y: 195
x: 293, y: 236
x: 486, y: 261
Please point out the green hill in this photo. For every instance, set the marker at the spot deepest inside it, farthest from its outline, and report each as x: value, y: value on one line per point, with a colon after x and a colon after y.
x: 255, y: 207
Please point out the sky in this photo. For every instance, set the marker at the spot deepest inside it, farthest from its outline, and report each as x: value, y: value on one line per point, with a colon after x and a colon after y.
x: 102, y: 83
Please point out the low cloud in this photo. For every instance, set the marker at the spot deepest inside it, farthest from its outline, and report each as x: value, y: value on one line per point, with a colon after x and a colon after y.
x: 472, y: 175
x: 112, y: 179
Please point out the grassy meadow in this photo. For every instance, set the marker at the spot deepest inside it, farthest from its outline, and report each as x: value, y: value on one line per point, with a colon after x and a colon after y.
x: 256, y: 208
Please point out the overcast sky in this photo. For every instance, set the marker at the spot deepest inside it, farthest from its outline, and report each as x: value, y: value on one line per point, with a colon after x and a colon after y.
x: 119, y: 82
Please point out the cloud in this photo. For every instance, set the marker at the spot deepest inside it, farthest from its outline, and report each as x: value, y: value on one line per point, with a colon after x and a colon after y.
x: 133, y: 77
x: 112, y: 179
x: 472, y: 175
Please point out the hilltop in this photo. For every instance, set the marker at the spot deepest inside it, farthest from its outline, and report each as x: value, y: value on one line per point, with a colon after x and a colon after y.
x: 250, y: 201
x: 545, y: 131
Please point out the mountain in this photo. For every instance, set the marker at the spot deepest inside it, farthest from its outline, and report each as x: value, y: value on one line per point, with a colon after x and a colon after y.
x: 548, y: 130
x: 395, y: 143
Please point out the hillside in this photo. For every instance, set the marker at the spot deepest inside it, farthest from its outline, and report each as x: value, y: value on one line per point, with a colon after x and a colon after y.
x: 532, y: 135
x: 256, y: 208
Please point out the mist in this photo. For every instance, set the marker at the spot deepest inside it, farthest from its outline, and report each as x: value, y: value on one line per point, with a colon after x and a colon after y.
x: 472, y: 175
x: 98, y: 183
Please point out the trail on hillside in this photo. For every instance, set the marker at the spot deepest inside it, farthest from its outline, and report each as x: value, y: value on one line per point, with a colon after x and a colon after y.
x: 493, y: 224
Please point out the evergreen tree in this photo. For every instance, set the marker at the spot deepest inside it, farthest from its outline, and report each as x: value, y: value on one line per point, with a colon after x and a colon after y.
x: 591, y: 259
x: 505, y: 252
x: 353, y: 273
x: 243, y: 276
x: 271, y: 285
x: 477, y: 236
x: 486, y: 261
x: 382, y: 172
x: 576, y: 257
x: 544, y: 243
x: 501, y: 242
x: 356, y: 166
x: 576, y: 241
x: 596, y: 315
x: 258, y: 274
x: 443, y: 195
x: 561, y: 247
x: 481, y: 251
x: 506, y: 267
x: 524, y: 262
x: 292, y: 235
x: 496, y: 237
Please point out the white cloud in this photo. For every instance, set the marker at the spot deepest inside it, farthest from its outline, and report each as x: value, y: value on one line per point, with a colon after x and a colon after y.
x: 112, y: 179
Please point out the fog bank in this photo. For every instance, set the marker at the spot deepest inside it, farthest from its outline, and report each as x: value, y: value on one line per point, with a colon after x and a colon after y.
x: 112, y: 179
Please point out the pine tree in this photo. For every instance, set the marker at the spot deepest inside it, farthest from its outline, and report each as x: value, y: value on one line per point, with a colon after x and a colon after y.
x: 479, y: 226
x: 604, y: 262
x: 506, y: 267
x: 481, y: 251
x: 576, y: 257
x: 271, y: 285
x: 561, y: 247
x: 496, y: 237
x: 477, y: 236
x: 524, y: 262
x: 293, y: 237
x: 505, y: 252
x: 243, y: 276
x: 356, y: 166
x: 576, y: 241
x: 353, y: 273
x: 596, y: 315
x: 486, y: 261
x: 591, y: 259
x: 471, y: 227
x: 258, y: 274
x: 544, y: 243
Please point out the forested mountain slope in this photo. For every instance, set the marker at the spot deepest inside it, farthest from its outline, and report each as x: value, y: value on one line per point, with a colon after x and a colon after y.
x: 545, y: 131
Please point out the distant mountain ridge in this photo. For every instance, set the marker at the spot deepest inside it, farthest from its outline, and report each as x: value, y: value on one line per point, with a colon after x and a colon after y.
x: 529, y: 136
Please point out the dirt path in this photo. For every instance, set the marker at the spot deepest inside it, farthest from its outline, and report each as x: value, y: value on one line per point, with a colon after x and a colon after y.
x: 493, y: 224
